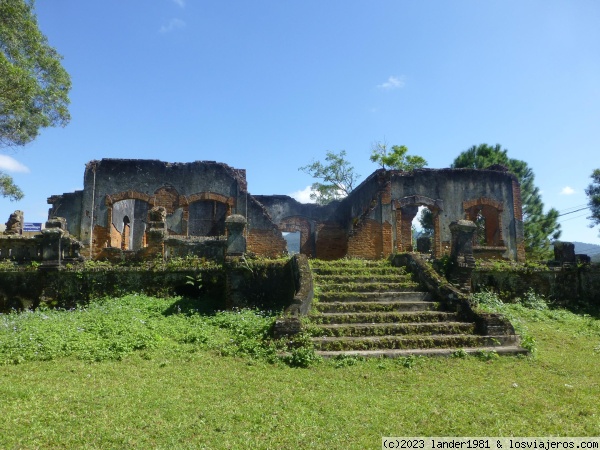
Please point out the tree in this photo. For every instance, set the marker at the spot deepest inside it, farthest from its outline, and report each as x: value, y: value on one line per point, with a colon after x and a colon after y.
x: 8, y: 188
x: 396, y: 157
x: 34, y: 86
x: 337, y: 174
x: 538, y: 227
x: 593, y: 192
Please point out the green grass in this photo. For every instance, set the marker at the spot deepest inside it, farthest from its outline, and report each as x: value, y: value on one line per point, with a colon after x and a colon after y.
x: 186, y: 379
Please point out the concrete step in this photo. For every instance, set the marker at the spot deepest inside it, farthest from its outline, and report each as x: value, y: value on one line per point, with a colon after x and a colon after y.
x: 357, y: 271
x: 368, y: 296
x: 323, y: 280
x: 350, y: 262
x: 373, y: 306
x: 391, y: 296
x: 394, y: 329
x: 385, y: 317
x: 446, y: 352
x: 369, y: 287
x: 411, y: 342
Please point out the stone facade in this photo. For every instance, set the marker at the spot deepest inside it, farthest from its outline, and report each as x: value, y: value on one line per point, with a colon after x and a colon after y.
x: 374, y: 221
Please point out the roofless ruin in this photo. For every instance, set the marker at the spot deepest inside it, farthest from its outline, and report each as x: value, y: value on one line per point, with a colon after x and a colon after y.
x: 114, y: 212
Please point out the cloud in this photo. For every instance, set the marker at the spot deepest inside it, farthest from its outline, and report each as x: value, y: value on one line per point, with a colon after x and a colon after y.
x: 567, y: 190
x: 180, y: 3
x: 392, y: 83
x: 174, y: 24
x: 12, y: 165
x: 303, y: 196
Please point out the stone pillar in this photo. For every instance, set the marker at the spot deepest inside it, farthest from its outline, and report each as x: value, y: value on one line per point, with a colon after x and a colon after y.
x: 156, y: 233
x: 236, y: 242
x: 14, y: 226
x: 564, y: 252
x: 52, y: 240
x: 462, y: 261
x: 237, y: 272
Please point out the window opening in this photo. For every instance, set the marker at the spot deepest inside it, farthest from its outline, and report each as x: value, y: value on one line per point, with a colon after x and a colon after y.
x: 292, y: 240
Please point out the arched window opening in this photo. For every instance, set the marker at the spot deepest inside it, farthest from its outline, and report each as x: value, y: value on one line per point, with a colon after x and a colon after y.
x: 423, y: 230
x: 128, y: 227
x: 487, y: 219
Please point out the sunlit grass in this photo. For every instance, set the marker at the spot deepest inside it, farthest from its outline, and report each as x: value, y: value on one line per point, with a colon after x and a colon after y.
x: 180, y: 391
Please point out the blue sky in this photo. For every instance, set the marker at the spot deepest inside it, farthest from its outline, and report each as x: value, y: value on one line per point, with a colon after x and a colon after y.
x: 270, y: 85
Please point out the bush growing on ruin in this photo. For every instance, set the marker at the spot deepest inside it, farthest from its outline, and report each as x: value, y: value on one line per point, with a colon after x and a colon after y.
x: 337, y: 175
x: 395, y: 157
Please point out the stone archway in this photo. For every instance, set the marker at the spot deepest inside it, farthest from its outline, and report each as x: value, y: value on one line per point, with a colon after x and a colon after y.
x: 406, y: 209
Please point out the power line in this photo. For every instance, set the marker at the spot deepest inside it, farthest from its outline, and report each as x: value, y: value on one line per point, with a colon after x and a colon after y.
x: 572, y: 218
x: 571, y: 212
x: 572, y: 207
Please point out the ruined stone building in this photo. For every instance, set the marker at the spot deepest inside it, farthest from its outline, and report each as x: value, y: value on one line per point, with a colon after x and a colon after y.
x: 111, y: 212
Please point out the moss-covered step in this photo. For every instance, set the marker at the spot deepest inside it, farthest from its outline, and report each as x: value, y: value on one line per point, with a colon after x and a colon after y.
x: 389, y: 296
x: 413, y: 341
x: 442, y: 352
x: 383, y: 317
x: 392, y: 329
x: 400, y: 286
x: 339, y: 307
x: 324, y: 280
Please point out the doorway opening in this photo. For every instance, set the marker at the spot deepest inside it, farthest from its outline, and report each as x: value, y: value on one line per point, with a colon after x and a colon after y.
x: 292, y: 239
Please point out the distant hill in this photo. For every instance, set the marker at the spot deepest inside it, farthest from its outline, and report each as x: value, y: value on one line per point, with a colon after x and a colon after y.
x: 293, y: 242
x: 592, y: 250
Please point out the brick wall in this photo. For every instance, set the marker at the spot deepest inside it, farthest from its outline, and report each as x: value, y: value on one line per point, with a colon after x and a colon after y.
x: 387, y: 239
x: 101, y: 239
x: 518, y: 213
x: 366, y: 241
x: 266, y: 242
x: 332, y: 241
x: 115, y: 237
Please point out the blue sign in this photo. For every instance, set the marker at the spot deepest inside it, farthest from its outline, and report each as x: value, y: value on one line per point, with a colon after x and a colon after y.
x: 32, y: 227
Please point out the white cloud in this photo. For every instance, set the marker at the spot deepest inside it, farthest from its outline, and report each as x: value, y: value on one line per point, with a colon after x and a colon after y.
x: 12, y: 165
x: 392, y: 83
x: 180, y: 3
x: 174, y: 24
x: 303, y: 196
x: 567, y: 191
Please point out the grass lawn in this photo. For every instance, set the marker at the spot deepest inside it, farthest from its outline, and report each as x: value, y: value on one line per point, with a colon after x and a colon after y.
x: 140, y: 372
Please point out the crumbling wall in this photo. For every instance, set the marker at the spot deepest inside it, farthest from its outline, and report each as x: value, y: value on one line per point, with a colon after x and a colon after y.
x: 323, y: 232
x: 374, y: 221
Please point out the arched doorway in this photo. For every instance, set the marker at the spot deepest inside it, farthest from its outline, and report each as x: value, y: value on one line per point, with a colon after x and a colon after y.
x: 406, y: 210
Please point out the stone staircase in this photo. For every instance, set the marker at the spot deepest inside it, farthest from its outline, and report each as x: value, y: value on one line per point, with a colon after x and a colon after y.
x: 370, y: 308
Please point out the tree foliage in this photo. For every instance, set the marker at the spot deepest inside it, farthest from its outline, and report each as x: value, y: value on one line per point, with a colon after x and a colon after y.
x: 34, y: 86
x: 593, y: 193
x: 337, y: 175
x: 396, y: 157
x: 539, y: 227
x: 8, y: 188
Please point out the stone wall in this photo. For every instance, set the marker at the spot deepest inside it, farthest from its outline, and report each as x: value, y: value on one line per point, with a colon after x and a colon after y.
x: 564, y: 285
x: 111, y: 210
x: 267, y: 285
x: 374, y: 221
